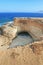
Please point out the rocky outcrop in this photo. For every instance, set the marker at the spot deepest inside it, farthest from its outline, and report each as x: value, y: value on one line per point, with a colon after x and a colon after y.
x: 9, y: 30
x: 4, y: 41
x: 37, y: 47
x: 30, y: 54
x: 7, y: 33
x: 33, y: 26
x: 23, y: 55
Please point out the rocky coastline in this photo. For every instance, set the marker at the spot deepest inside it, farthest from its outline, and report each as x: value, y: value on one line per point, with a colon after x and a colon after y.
x: 29, y: 54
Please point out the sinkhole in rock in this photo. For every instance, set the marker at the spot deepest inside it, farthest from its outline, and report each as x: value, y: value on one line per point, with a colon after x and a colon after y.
x: 21, y: 39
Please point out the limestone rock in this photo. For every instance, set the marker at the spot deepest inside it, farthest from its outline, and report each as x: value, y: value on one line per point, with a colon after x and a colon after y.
x: 9, y: 31
x: 33, y: 26
x: 30, y: 54
x: 37, y: 47
x: 4, y: 41
x: 22, y: 55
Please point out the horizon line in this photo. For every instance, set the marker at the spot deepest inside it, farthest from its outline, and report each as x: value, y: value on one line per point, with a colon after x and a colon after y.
x: 21, y: 12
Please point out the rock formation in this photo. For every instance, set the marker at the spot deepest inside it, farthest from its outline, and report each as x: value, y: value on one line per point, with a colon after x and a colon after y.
x: 30, y: 54
x: 33, y: 26
x: 23, y: 55
x: 37, y: 47
x: 9, y: 30
x: 4, y: 41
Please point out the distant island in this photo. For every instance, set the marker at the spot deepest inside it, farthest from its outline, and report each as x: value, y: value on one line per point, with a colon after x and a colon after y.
x: 41, y: 11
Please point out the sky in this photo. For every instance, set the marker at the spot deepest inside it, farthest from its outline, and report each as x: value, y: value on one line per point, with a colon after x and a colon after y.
x: 21, y: 5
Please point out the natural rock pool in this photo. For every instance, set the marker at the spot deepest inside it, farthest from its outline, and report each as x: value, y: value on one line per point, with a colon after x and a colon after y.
x: 21, y: 39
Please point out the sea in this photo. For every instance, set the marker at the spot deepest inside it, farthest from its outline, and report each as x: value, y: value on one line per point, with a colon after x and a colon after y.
x: 23, y: 38
x: 8, y: 17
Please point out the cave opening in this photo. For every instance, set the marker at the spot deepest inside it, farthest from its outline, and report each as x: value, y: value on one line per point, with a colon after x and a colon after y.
x: 22, y: 38
x: 24, y: 34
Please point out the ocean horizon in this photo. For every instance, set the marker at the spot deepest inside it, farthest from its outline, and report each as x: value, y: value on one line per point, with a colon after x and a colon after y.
x: 8, y: 16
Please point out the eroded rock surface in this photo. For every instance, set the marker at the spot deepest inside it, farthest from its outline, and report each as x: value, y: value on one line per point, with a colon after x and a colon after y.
x: 37, y: 47
x: 33, y: 26
x: 4, y: 40
x: 9, y: 31
x: 30, y: 54
x: 23, y: 55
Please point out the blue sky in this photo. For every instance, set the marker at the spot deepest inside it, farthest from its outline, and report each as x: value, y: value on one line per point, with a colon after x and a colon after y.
x: 21, y: 5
